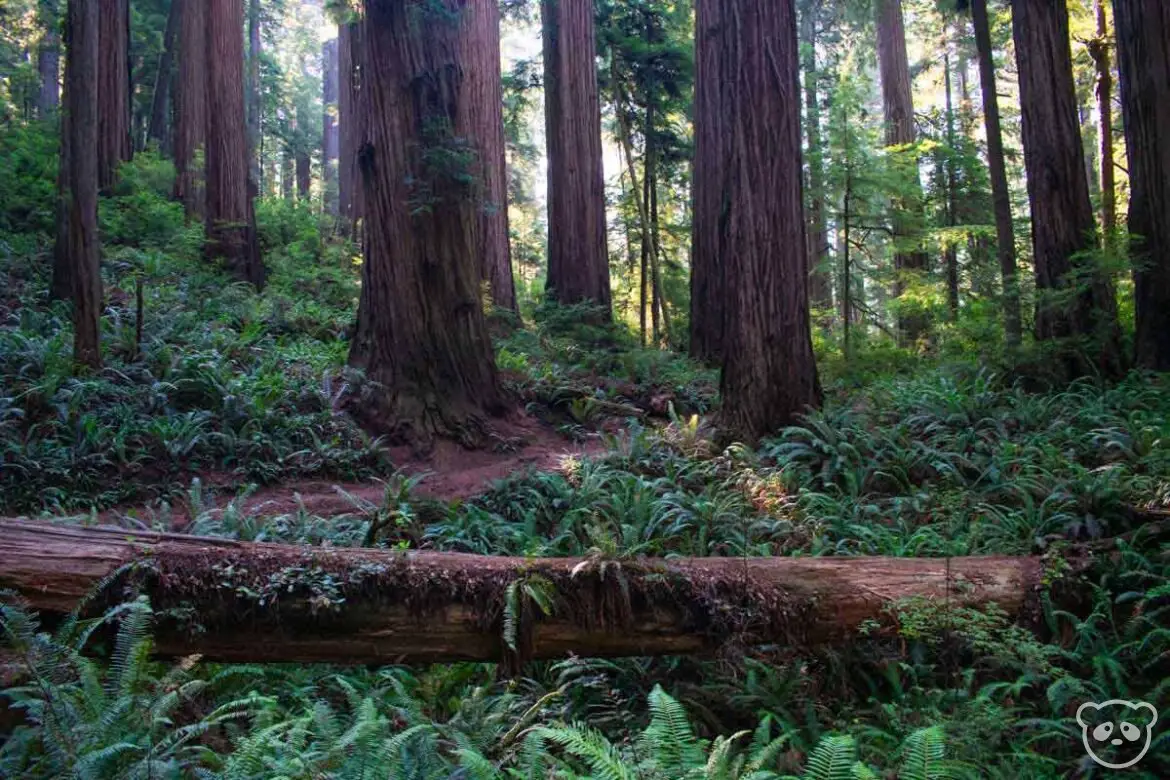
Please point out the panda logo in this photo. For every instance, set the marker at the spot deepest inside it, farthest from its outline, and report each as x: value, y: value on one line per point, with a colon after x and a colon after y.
x: 1114, y: 729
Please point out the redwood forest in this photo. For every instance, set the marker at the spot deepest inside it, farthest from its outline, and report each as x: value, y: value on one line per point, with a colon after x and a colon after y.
x: 567, y: 389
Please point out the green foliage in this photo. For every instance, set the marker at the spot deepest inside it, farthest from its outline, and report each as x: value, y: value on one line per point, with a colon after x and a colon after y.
x: 28, y: 180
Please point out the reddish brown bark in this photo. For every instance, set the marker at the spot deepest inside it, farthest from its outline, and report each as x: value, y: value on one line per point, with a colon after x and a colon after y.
x: 331, y: 131
x: 230, y: 222
x: 191, y: 109
x: 61, y: 287
x: 578, y: 257
x: 440, y: 607
x: 1143, y: 58
x: 114, y: 143
x: 769, y: 373
x: 1075, y: 304
x: 349, y: 117
x: 428, y: 345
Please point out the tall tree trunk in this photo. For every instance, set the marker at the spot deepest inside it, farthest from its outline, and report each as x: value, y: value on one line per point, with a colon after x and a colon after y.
x: 910, y: 262
x: 486, y: 102
x: 253, y: 91
x: 648, y: 233
x: 331, y: 141
x: 160, y: 115
x: 708, y: 189
x: 1075, y: 300
x: 191, y: 109
x: 819, y: 280
x: 578, y: 258
x: 350, y: 116
x: 83, y: 70
x: 428, y: 348
x: 769, y: 373
x: 288, y: 173
x: 1099, y: 49
x: 231, y: 223
x: 952, y: 248
x: 1143, y: 58
x: 114, y: 142
x: 61, y: 286
x: 997, y: 168
x: 49, y: 60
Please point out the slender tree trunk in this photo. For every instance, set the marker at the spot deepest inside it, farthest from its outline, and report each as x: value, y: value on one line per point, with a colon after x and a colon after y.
x: 769, y: 373
x: 61, y: 286
x: 486, y: 102
x: 648, y: 233
x: 428, y: 348
x: 191, y: 109
x: 348, y: 105
x: 952, y: 248
x: 578, y: 258
x: 288, y: 173
x: 1099, y: 49
x: 83, y: 70
x: 114, y: 142
x: 1075, y: 300
x: 160, y: 115
x: 1143, y: 58
x: 708, y: 190
x: 49, y: 60
x: 820, y: 285
x: 253, y: 90
x: 331, y: 141
x: 997, y: 168
x: 638, y: 193
x: 910, y: 262
x: 231, y: 233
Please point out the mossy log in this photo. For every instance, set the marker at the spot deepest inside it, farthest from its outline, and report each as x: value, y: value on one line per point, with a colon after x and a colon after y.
x: 249, y: 602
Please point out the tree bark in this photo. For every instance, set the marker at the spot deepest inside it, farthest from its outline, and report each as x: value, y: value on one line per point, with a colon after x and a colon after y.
x: 1143, y: 58
x: 1075, y: 299
x: 769, y: 373
x: 428, y: 348
x: 61, y: 286
x: 997, y: 167
x: 83, y: 71
x: 952, y: 248
x: 191, y: 110
x: 350, y: 116
x: 578, y: 257
x: 114, y: 142
x: 160, y: 115
x: 330, y: 143
x: 231, y: 233
x: 253, y: 90
x: 898, y: 104
x: 819, y: 280
x: 1099, y: 49
x: 49, y: 60
x: 708, y: 190
x: 486, y: 102
x: 442, y: 607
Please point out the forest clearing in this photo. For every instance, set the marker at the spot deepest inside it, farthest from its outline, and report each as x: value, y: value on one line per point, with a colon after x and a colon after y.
x: 611, y: 389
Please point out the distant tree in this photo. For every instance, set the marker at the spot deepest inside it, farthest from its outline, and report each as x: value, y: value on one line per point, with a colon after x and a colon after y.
x: 769, y: 372
x: 1143, y: 49
x: 423, y: 335
x: 348, y: 178
x: 578, y: 256
x: 159, y: 129
x: 1100, y: 49
x: 114, y: 141
x: 253, y: 91
x: 331, y: 131
x: 820, y: 280
x: 49, y: 58
x: 191, y: 108
x: 1075, y: 299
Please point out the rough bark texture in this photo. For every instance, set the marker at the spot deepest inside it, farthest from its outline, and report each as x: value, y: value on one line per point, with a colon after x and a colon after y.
x: 997, y: 168
x: 114, y: 143
x: 49, y: 60
x: 769, y: 374
x: 1074, y: 302
x: 191, y: 109
x: 486, y: 102
x: 1143, y: 58
x: 61, y: 286
x: 331, y: 141
x: 708, y: 191
x: 82, y: 70
x: 898, y: 104
x: 253, y: 90
x: 160, y: 104
x: 820, y: 281
x: 231, y: 234
x: 428, y: 345
x: 441, y: 607
x: 578, y: 257
x: 349, y: 117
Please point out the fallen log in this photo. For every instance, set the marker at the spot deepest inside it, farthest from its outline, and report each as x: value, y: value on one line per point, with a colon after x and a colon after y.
x: 249, y: 602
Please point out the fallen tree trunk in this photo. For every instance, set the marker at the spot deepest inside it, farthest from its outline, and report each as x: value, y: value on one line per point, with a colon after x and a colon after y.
x: 247, y: 602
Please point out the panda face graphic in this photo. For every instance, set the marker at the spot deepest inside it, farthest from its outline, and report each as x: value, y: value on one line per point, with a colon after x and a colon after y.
x: 1117, y: 733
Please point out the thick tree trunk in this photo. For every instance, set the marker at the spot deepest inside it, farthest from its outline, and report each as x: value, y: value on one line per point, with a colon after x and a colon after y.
x: 428, y: 342
x: 898, y: 103
x: 820, y: 283
x: 1143, y: 57
x: 393, y: 607
x: 114, y: 142
x: 331, y: 141
x: 1075, y: 300
x: 191, y: 110
x: 83, y: 70
x: 160, y: 115
x: 486, y: 102
x: 350, y: 116
x: 997, y: 168
x: 231, y: 233
x: 49, y: 60
x: 253, y: 91
x: 708, y: 190
x: 578, y: 257
x: 769, y: 373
